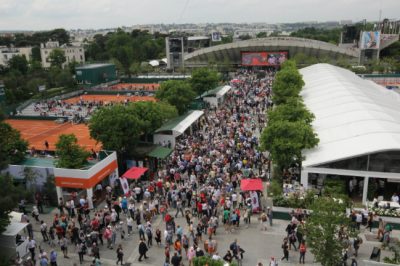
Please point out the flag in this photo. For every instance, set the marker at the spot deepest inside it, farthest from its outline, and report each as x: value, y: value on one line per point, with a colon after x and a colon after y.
x: 124, y: 184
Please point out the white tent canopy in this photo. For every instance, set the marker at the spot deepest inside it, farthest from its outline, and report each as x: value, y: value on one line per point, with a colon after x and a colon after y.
x: 353, y: 116
x: 223, y: 90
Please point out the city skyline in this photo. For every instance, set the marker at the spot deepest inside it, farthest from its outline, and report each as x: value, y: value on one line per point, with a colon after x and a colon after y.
x: 97, y: 14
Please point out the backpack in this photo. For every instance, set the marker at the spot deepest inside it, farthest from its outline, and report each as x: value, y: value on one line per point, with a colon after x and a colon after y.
x: 148, y: 232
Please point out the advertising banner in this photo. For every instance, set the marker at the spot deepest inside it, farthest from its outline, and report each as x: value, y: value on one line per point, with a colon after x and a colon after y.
x: 370, y: 40
x: 263, y: 58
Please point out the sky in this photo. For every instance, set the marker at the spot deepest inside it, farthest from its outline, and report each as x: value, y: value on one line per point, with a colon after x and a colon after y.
x: 97, y: 14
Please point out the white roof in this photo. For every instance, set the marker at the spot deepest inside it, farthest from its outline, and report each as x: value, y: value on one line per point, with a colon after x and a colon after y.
x: 223, y: 90
x: 14, y: 228
x: 353, y: 116
x: 188, y: 121
x: 154, y: 63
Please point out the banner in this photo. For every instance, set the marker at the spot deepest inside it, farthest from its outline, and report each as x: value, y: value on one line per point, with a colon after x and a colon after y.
x: 124, y: 184
x: 264, y: 58
x: 370, y: 40
x: 216, y: 36
x: 254, y: 201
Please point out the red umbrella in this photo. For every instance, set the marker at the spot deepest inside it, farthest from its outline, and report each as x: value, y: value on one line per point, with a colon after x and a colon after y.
x: 251, y: 184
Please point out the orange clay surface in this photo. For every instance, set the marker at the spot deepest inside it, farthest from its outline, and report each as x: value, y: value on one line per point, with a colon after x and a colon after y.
x: 110, y: 98
x: 135, y: 86
x: 36, y: 132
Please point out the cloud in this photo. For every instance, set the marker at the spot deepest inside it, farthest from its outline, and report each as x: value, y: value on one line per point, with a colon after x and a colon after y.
x: 48, y: 14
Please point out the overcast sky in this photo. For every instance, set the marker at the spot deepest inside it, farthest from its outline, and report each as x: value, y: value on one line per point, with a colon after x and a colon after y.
x: 73, y: 14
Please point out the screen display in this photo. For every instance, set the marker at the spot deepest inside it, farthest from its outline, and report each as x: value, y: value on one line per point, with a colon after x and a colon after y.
x: 263, y: 58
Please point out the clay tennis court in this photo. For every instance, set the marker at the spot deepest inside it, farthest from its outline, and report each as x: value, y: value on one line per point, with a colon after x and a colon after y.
x: 109, y: 98
x: 135, y: 86
x: 36, y: 132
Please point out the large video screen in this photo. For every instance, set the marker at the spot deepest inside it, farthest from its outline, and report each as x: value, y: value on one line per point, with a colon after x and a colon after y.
x: 263, y: 58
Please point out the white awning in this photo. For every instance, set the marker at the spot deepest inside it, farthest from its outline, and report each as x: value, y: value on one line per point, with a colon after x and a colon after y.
x: 187, y: 122
x: 353, y: 116
x: 14, y: 228
x: 224, y: 90
x: 154, y: 63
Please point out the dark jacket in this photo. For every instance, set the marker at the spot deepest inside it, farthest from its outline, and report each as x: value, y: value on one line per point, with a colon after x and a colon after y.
x: 142, y: 248
x: 176, y: 260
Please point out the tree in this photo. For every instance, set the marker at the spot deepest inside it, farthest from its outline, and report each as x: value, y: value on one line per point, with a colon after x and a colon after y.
x: 285, y: 141
x: 204, y: 79
x: 70, y: 154
x: 19, y: 62
x: 117, y: 127
x: 177, y: 93
x: 9, y: 199
x: 12, y: 146
x: 288, y: 83
x: 153, y: 114
x: 293, y: 110
x: 322, y: 229
x: 262, y: 34
x: 57, y: 58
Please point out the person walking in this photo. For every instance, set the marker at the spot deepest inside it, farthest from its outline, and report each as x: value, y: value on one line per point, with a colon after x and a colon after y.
x: 95, y: 250
x: 32, y: 247
x: 120, y: 254
x: 142, y: 250
x: 80, y: 248
x: 285, y: 248
x: 53, y: 258
x: 64, y: 246
x: 303, y: 250
x: 176, y: 259
x: 43, y: 230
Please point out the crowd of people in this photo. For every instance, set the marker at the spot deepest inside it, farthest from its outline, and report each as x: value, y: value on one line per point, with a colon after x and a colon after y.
x: 200, y: 181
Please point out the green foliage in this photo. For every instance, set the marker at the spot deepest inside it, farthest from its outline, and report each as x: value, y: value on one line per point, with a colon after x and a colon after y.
x: 12, y: 146
x: 325, y: 35
x: 57, y: 58
x: 262, y: 34
x: 22, y: 40
x: 153, y: 114
x: 206, y: 260
x: 293, y: 110
x: 322, y: 228
x: 126, y: 48
x: 204, y: 79
x: 70, y: 154
x: 275, y: 187
x: 334, y: 187
x: 295, y: 200
x: 116, y: 127
x: 288, y: 84
x: 285, y: 140
x: 19, y: 63
x: 49, y: 189
x: 10, y: 194
x: 177, y: 93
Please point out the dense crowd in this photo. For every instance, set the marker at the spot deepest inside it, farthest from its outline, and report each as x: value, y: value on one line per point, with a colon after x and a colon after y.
x: 200, y: 181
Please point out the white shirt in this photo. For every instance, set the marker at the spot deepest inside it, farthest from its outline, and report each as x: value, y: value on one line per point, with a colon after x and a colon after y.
x: 395, y: 198
x: 32, y: 243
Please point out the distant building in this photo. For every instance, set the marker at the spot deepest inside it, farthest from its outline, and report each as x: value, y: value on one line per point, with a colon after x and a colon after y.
x: 94, y: 74
x: 6, y: 53
x: 2, y: 92
x: 72, y: 53
x: 177, y: 47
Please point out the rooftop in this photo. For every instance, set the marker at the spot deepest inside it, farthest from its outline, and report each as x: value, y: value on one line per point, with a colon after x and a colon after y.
x: 353, y: 116
x: 92, y: 66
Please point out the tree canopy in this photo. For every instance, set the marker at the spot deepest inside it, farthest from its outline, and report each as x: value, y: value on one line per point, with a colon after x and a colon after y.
x: 288, y: 83
x: 12, y: 146
x: 70, y: 154
x: 285, y: 141
x: 204, y: 79
x: 19, y: 62
x: 178, y: 93
x: 322, y: 229
x: 289, y: 129
x: 57, y: 58
x: 9, y: 199
x: 119, y: 127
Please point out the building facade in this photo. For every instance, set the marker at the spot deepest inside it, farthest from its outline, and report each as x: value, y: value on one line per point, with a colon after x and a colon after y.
x: 72, y: 53
x: 6, y: 53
